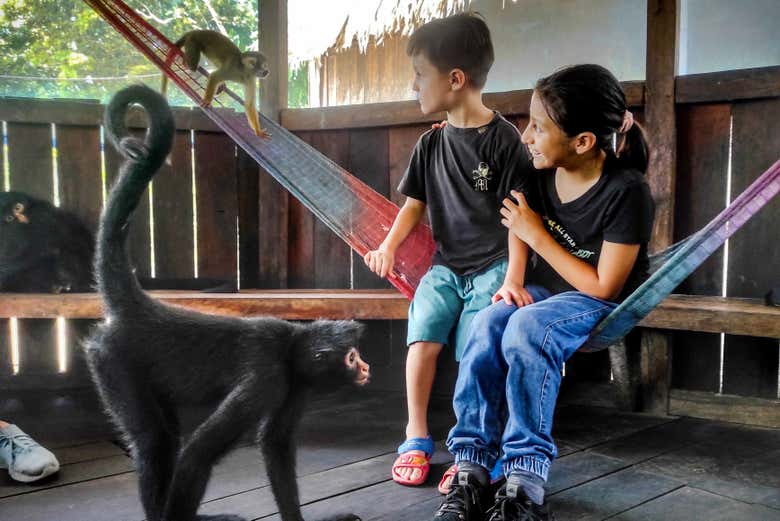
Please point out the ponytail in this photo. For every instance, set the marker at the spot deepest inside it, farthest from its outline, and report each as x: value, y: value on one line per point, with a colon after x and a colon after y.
x: 633, y: 152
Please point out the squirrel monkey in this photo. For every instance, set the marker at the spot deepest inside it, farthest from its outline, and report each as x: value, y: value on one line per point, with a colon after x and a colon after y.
x: 232, y: 65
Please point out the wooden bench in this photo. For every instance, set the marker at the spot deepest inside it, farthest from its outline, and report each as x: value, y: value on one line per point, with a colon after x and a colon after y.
x: 678, y: 312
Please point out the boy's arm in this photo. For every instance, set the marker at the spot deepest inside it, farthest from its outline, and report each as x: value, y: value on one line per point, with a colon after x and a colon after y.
x: 382, y: 260
x: 410, y: 214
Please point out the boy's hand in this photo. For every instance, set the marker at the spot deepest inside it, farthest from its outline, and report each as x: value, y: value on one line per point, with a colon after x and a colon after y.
x: 513, y: 293
x: 521, y: 219
x: 439, y: 125
x: 380, y: 261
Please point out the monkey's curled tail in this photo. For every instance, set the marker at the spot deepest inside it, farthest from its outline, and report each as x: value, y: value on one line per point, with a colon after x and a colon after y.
x: 143, y: 157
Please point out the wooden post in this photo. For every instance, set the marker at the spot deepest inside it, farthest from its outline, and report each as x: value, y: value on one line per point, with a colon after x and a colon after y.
x: 273, y: 200
x: 273, y: 43
x: 662, y: 133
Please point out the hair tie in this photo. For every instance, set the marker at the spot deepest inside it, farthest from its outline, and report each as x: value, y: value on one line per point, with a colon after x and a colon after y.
x: 628, y: 122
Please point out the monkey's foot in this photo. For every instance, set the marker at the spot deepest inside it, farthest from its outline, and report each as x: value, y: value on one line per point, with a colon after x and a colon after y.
x: 220, y: 517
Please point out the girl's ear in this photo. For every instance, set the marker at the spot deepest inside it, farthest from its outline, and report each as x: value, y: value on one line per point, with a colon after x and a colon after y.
x: 584, y: 142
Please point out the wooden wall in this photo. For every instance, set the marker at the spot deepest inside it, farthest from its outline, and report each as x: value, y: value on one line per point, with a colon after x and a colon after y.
x: 247, y: 223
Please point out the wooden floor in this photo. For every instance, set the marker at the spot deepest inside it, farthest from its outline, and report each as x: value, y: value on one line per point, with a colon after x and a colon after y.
x: 612, y: 465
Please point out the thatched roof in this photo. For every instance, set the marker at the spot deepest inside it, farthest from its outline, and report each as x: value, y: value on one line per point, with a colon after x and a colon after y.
x: 315, y: 27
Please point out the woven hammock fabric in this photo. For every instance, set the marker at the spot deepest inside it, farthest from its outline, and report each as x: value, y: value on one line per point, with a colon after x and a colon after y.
x: 362, y: 217
x: 354, y: 211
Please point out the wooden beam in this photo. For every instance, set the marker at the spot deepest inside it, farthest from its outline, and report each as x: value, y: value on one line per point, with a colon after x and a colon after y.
x: 681, y: 312
x: 724, y: 407
x: 761, y: 82
x: 662, y: 135
x: 398, y: 113
x: 273, y: 43
x: 90, y: 113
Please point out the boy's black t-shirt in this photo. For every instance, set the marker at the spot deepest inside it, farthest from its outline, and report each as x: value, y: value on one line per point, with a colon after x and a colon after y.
x: 462, y: 175
x: 618, y: 208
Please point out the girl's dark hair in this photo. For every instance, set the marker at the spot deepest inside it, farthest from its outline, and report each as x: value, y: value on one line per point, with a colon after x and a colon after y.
x: 588, y: 98
x: 460, y: 41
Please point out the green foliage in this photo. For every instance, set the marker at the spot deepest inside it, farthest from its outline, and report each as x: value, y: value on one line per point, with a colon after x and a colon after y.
x: 298, y: 87
x: 68, y: 43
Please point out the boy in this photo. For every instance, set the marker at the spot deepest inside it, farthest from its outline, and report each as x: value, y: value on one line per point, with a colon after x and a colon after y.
x: 459, y: 173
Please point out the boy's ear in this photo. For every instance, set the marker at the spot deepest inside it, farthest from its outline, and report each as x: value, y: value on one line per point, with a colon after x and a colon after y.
x: 457, y: 79
x: 584, y: 141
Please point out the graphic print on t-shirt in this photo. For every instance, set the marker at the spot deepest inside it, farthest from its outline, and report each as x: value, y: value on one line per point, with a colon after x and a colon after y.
x: 481, y: 175
x: 565, y: 239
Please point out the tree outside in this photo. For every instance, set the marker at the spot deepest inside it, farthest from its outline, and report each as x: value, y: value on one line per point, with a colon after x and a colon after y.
x: 63, y: 49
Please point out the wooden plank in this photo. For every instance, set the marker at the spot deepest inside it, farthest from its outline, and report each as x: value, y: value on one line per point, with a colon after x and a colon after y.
x: 300, y: 253
x: 139, y: 235
x: 369, y: 162
x: 173, y: 213
x: 751, y: 366
x: 81, y: 192
x: 611, y: 494
x: 722, y: 407
x: 216, y: 205
x: 273, y: 239
x: 408, y: 112
x: 331, y: 254
x: 711, y: 314
x: 742, y: 84
x: 248, y: 180
x: 702, y: 161
x: 689, y: 503
x: 89, y: 113
x: 272, y: 18
x: 662, y: 134
x: 31, y: 171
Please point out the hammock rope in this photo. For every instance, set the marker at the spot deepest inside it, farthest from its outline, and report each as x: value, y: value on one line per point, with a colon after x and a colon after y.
x: 362, y: 217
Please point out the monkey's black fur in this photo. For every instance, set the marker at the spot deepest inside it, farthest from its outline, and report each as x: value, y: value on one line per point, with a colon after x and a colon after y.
x: 148, y: 358
x: 43, y: 249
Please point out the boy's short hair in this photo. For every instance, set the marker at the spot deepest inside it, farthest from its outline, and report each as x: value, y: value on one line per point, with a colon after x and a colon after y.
x: 461, y: 41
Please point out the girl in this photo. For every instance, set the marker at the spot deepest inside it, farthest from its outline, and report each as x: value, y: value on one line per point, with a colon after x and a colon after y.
x: 589, y: 243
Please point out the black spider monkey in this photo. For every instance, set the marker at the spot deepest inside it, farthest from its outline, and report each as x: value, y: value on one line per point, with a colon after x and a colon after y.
x: 42, y: 248
x: 148, y: 358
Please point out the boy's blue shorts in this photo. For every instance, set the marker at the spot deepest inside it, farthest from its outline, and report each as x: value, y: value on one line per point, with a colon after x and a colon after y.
x: 445, y: 303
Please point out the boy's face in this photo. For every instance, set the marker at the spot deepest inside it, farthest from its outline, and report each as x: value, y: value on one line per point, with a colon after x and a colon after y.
x: 549, y: 145
x: 433, y: 87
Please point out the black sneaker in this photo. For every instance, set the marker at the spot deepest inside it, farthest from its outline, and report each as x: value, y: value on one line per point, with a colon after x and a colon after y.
x: 465, y: 501
x: 511, y: 504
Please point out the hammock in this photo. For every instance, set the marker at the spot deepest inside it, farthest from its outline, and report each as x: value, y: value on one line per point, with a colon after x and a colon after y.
x: 362, y: 217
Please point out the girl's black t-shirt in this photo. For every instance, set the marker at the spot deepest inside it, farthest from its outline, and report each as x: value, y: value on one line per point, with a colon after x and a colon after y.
x: 618, y: 209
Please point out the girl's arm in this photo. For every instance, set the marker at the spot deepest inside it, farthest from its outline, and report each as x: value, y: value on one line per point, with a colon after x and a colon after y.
x: 605, y: 282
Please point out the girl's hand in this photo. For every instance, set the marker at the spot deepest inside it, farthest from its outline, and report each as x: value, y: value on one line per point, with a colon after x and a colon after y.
x: 380, y: 261
x: 521, y: 220
x: 513, y: 293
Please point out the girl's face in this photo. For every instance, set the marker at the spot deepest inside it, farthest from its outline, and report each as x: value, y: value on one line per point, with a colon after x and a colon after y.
x: 432, y: 86
x: 550, y: 147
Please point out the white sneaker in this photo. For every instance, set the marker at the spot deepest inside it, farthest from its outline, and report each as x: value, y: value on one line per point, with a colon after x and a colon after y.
x: 24, y: 458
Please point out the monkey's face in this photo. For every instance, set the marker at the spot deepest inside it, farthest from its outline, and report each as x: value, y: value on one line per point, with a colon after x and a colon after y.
x: 255, y: 62
x: 13, y: 206
x: 330, y: 357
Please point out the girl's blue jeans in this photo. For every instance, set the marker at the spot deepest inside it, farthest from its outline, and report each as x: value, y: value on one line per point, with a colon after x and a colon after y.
x: 509, y: 377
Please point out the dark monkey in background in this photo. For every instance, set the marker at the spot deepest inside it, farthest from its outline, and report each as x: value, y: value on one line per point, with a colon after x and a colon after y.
x: 147, y: 358
x: 232, y: 65
x: 43, y: 249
